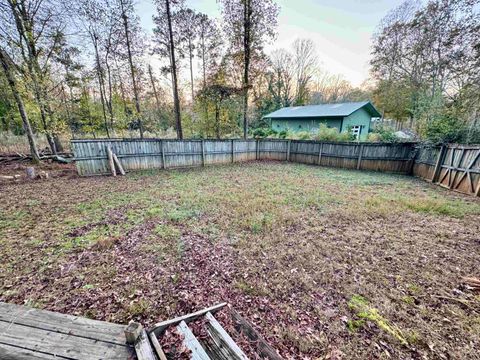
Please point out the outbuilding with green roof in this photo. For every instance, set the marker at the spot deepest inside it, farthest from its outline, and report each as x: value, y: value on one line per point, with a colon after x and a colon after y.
x: 349, y: 116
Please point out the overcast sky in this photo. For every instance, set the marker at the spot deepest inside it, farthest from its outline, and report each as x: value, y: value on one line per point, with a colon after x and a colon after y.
x: 341, y: 29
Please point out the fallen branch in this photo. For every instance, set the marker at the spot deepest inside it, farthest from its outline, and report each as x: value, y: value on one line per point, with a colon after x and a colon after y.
x: 472, y: 282
x: 63, y: 158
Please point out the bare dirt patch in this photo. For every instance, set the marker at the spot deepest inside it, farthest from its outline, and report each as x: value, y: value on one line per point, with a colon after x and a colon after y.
x: 325, y: 263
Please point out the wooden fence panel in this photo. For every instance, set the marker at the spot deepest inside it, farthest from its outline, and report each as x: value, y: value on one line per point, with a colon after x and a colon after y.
x: 306, y: 152
x: 244, y: 150
x: 91, y: 155
x: 272, y: 149
x: 182, y: 153
x: 425, y: 160
x: 395, y: 158
x: 455, y: 167
x: 218, y: 151
x: 342, y: 155
x: 460, y: 169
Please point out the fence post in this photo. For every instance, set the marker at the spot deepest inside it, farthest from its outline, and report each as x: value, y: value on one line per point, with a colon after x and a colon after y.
x: 164, y: 165
x: 257, y: 150
x: 203, y: 152
x: 320, y: 154
x: 288, y: 149
x: 360, y: 154
x: 439, y: 163
x: 232, y: 150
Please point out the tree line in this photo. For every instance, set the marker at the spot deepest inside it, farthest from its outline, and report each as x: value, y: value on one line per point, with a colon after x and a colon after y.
x: 426, y: 64
x: 88, y: 68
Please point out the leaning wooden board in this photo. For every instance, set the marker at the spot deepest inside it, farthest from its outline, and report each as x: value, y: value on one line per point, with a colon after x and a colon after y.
x: 27, y: 333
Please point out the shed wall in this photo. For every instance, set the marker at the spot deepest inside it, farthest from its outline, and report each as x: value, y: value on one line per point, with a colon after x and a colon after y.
x: 305, y: 124
x: 359, y: 117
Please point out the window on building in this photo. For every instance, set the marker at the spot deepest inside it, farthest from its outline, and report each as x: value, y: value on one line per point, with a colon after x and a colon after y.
x: 356, y: 131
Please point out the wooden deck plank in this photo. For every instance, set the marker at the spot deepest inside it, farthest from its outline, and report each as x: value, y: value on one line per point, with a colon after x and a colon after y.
x: 143, y: 349
x: 13, y: 352
x: 263, y: 348
x: 223, y: 340
x: 191, y: 342
x: 58, y: 344
x: 157, y: 347
x: 61, y: 323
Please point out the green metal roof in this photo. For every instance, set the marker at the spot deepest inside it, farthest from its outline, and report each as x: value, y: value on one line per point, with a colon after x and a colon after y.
x: 324, y: 110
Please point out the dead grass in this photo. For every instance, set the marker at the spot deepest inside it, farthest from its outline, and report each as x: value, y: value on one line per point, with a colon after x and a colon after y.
x: 323, y: 262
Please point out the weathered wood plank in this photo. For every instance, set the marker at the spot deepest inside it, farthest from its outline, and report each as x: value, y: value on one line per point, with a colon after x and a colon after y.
x: 263, y: 349
x: 111, y: 162
x: 157, y: 347
x: 12, y: 352
x: 191, y: 342
x: 62, y: 323
x: 223, y: 339
x: 142, y: 347
x: 118, y: 164
x: 160, y: 327
x: 360, y: 154
x: 61, y: 345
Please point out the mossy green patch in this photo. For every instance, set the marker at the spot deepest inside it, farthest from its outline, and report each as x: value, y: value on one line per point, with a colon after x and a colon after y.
x: 365, y: 312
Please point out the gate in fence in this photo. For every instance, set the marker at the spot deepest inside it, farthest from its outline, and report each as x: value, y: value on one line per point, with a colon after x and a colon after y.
x: 455, y: 167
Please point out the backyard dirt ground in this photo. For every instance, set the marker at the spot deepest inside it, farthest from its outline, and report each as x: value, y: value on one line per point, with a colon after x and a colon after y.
x: 325, y: 263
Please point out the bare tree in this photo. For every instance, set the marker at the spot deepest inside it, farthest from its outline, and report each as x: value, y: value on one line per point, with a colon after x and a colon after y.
x: 154, y: 88
x: 167, y: 37
x: 282, y: 77
x: 209, y: 47
x: 305, y: 65
x: 7, y: 65
x: 188, y: 26
x: 126, y: 10
x: 93, y: 17
x: 249, y: 23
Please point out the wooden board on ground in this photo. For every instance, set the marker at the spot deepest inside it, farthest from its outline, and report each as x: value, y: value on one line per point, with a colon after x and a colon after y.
x: 27, y: 333
x: 191, y: 342
x: 263, y: 349
x: 226, y: 345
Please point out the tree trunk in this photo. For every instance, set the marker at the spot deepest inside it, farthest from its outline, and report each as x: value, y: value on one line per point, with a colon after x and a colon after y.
x: 176, y: 100
x: 67, y: 109
x: 122, y: 90
x: 190, y: 55
x: 217, y: 121
x: 21, y: 108
x: 132, y: 69
x: 204, y: 65
x: 247, y: 13
x: 155, y: 94
x: 110, y: 101
x: 24, y: 28
x: 100, y: 82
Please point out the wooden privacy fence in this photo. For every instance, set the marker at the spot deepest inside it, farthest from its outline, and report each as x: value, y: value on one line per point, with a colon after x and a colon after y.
x: 455, y: 167
x: 389, y: 157
x: 140, y: 154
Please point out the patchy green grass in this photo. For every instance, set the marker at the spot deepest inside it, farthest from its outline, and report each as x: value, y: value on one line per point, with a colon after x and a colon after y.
x: 289, y: 245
